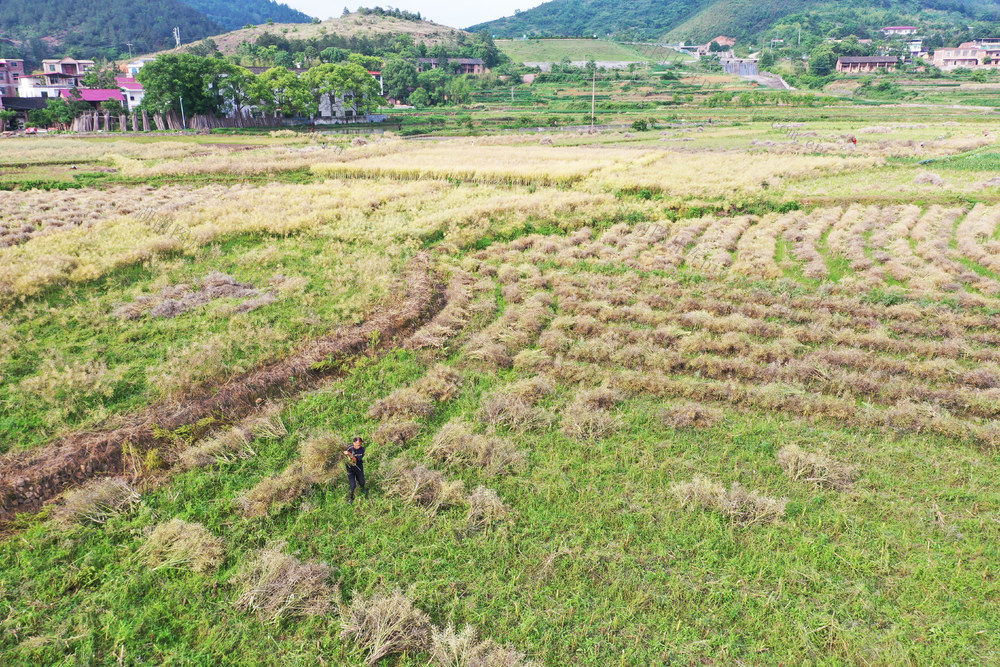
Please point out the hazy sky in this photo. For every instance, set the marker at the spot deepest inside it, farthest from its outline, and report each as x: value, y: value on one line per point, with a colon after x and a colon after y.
x: 454, y: 14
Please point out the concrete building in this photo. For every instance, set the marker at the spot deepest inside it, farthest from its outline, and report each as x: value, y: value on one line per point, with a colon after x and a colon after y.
x: 11, y: 71
x: 899, y: 30
x: 983, y: 53
x: 67, y: 72
x: 132, y: 91
x: 35, y: 85
x: 866, y: 64
x: 133, y: 67
x: 459, y: 65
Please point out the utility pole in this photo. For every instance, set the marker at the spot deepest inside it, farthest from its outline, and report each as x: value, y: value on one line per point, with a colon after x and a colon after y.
x: 593, y: 98
x: 177, y: 35
x: 512, y: 95
x: 129, y: 50
x: 184, y: 122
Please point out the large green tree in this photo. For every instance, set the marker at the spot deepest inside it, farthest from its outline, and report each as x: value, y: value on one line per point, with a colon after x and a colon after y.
x: 171, y: 77
x: 399, y: 77
x: 349, y: 81
x: 283, y: 92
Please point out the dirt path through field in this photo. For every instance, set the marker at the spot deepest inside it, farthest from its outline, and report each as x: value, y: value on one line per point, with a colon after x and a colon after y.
x: 29, y: 479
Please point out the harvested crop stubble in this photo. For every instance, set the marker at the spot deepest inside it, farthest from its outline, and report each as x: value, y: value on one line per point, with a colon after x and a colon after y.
x: 456, y: 443
x: 174, y: 300
x: 96, y: 501
x: 318, y: 456
x: 691, y: 415
x: 464, y: 649
x: 504, y: 410
x: 414, y: 483
x: 588, y: 417
x: 396, y: 432
x: 275, y: 585
x: 742, y: 507
x: 28, y: 479
x: 485, y: 508
x: 385, y: 624
x: 178, y: 543
x: 818, y: 469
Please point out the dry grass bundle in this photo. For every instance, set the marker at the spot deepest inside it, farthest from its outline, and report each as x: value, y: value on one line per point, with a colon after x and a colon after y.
x: 508, y: 411
x: 588, y: 417
x: 226, y: 447
x: 463, y: 649
x: 441, y: 383
x: 485, y: 508
x: 96, y: 501
x: 276, y: 585
x: 927, y: 178
x: 532, y: 389
x: 535, y: 361
x: 318, y: 456
x: 274, y: 492
x: 178, y: 543
x: 456, y: 443
x: 419, y: 485
x: 385, y: 625
x: 819, y: 469
x: 406, y: 401
x: 742, y: 507
x: 396, y: 432
x: 691, y: 415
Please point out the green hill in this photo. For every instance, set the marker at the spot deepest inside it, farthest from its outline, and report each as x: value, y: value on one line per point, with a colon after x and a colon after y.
x: 699, y: 20
x: 36, y: 29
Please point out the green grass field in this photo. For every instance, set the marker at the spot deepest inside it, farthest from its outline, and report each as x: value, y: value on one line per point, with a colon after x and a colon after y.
x: 721, y: 391
x: 554, y: 50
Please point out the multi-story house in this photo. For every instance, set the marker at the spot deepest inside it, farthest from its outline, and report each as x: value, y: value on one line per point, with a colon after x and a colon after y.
x: 459, y: 65
x: 67, y: 72
x: 982, y: 53
x: 11, y: 71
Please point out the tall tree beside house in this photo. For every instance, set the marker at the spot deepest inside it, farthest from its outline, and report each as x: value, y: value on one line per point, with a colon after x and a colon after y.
x: 101, y: 76
x: 236, y: 87
x: 399, y: 78
x: 485, y: 49
x: 349, y: 81
x: 370, y: 63
x: 6, y: 118
x: 282, y: 92
x: 195, y: 79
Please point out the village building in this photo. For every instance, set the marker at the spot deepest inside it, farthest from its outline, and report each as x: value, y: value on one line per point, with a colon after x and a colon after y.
x: 94, y: 96
x: 866, y: 64
x: 11, y: 71
x: 983, y: 53
x: 899, y: 30
x: 132, y: 91
x: 22, y: 106
x: 458, y: 65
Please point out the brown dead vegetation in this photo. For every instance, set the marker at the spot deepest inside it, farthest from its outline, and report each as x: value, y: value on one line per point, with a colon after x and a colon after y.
x: 96, y: 501
x: 385, y: 624
x: 416, y: 484
x: 178, y: 543
x: 818, y: 469
x: 456, y: 443
x: 28, y: 479
x: 275, y: 585
x: 742, y: 507
x: 464, y: 649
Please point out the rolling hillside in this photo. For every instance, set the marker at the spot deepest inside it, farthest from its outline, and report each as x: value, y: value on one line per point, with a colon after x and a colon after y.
x: 36, y: 29
x: 351, y: 25
x: 699, y: 20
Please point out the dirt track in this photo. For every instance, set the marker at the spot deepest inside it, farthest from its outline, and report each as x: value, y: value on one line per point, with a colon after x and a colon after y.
x: 29, y: 479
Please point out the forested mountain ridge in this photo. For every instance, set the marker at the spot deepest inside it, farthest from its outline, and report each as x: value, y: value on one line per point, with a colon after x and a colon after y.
x: 748, y: 20
x: 36, y: 29
x: 233, y: 14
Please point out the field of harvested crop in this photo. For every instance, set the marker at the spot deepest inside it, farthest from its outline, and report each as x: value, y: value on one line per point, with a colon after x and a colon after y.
x: 726, y: 391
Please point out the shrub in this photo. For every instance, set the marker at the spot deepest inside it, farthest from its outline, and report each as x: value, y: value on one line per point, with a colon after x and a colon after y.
x: 819, y: 469
x: 691, y: 415
x: 385, y: 625
x: 485, y: 508
x: 742, y: 507
x: 276, y: 585
x: 419, y: 485
x: 396, y: 432
x: 178, y: 543
x: 508, y: 411
x: 96, y: 501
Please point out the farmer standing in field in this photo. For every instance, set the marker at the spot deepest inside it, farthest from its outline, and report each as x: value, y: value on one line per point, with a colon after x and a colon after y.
x: 355, y: 466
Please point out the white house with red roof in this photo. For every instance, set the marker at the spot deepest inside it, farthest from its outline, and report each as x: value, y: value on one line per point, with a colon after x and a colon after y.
x: 131, y: 90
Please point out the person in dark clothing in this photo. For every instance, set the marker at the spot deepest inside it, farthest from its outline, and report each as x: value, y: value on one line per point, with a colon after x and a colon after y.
x: 355, y: 466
